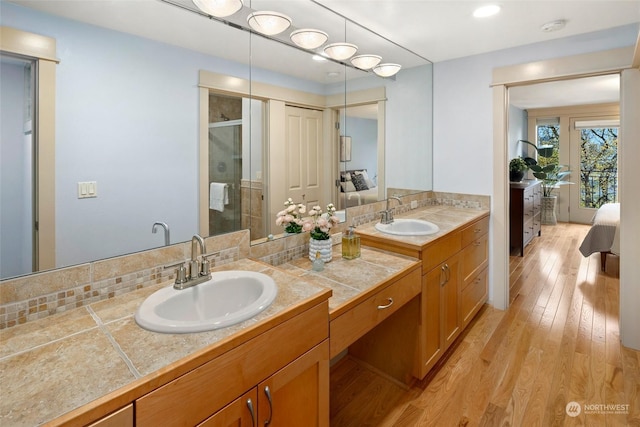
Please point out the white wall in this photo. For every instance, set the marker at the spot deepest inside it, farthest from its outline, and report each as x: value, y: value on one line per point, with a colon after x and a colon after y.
x: 517, y: 130
x: 364, y: 143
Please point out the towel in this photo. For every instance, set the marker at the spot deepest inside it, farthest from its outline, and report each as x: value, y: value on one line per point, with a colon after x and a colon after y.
x: 218, y: 196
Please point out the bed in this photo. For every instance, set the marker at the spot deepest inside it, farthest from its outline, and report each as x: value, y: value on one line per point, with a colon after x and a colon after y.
x: 356, y: 188
x: 604, y: 234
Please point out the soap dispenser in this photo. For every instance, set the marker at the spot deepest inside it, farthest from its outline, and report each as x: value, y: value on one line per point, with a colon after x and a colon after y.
x: 350, y: 244
x: 318, y: 263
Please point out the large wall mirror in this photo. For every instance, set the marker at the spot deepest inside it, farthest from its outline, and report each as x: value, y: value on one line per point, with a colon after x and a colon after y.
x: 128, y: 117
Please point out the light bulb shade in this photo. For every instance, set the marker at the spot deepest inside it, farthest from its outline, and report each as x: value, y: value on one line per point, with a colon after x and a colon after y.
x: 309, y: 38
x: 340, y: 51
x: 219, y: 8
x: 387, y: 70
x: 268, y: 23
x: 366, y: 62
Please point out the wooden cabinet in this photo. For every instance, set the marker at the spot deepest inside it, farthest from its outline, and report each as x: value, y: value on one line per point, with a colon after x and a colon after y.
x: 120, y: 418
x: 271, y: 359
x: 296, y: 395
x: 350, y: 326
x: 524, y: 214
x: 454, y: 288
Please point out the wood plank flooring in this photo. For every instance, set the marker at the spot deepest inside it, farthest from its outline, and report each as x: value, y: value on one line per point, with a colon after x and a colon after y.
x: 557, y: 343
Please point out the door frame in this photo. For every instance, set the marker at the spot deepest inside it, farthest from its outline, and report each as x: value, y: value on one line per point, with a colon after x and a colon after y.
x: 43, y: 50
x: 624, y: 60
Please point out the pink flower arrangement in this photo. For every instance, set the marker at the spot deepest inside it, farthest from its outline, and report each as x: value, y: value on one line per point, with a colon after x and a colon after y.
x: 318, y: 224
x: 291, y: 216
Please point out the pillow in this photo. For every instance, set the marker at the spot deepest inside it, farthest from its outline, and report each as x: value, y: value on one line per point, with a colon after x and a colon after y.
x: 370, y: 184
x: 347, y: 187
x: 363, y: 173
x: 359, y: 182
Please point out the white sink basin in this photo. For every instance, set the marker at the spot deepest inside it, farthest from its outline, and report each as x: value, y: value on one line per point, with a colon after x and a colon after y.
x: 408, y: 227
x: 228, y: 298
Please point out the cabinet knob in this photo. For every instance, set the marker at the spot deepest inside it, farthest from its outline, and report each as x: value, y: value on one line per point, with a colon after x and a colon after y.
x: 390, y: 303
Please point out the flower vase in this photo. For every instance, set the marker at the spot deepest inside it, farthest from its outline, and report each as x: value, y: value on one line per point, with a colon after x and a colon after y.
x: 322, y: 246
x: 548, y: 206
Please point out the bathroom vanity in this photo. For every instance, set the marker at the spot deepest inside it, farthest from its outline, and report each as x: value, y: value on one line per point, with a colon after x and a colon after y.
x: 453, y: 279
x: 397, y: 308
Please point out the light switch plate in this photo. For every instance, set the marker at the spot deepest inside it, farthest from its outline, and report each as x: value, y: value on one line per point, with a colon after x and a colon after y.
x: 414, y: 204
x: 87, y: 189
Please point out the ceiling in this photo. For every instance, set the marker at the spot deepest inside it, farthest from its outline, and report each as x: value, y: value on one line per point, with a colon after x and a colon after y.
x: 438, y: 30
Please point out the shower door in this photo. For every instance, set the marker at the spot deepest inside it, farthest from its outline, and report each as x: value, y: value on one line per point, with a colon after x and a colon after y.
x: 225, y: 167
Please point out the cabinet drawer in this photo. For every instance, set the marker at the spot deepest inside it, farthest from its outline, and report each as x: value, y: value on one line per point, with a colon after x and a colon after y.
x: 475, y: 230
x: 347, y: 328
x: 213, y: 385
x: 435, y: 254
x: 475, y: 257
x: 473, y: 296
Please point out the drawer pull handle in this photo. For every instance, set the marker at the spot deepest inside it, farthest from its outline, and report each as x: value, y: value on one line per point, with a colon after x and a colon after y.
x: 477, y: 230
x: 251, y: 411
x: 382, y: 307
x: 476, y: 243
x: 267, y: 391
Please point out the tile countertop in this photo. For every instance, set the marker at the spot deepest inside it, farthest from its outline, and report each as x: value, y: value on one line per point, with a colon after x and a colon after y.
x: 353, y: 280
x: 54, y: 365
x: 447, y: 218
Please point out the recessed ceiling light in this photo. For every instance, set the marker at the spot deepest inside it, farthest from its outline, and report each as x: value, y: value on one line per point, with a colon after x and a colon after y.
x: 556, y: 25
x: 486, y: 11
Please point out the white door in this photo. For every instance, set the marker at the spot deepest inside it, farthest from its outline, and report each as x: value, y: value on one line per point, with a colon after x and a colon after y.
x: 303, y: 155
x: 594, y: 160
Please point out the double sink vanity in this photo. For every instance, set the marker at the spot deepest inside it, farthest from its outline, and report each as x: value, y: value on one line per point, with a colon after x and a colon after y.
x: 397, y: 307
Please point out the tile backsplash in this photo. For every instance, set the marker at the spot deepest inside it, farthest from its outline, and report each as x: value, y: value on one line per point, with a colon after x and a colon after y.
x: 35, y: 296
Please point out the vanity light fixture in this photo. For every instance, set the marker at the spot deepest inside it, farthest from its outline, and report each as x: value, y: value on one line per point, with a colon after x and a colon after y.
x: 366, y: 62
x: 486, y: 11
x: 340, y: 51
x: 387, y: 69
x: 309, y: 38
x: 219, y: 8
x: 268, y: 23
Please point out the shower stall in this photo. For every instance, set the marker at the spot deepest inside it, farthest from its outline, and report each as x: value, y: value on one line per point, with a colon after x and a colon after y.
x: 225, y: 171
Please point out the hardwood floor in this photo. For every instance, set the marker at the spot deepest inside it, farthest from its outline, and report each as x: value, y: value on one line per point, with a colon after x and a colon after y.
x: 558, y: 342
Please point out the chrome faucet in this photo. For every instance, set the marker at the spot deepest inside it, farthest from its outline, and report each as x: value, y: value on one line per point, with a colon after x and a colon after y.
x: 194, y: 265
x: 166, y: 231
x: 198, y: 270
x: 387, y: 215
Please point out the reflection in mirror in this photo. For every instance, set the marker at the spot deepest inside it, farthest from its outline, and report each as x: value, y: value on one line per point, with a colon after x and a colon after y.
x: 126, y: 114
x: 358, y: 180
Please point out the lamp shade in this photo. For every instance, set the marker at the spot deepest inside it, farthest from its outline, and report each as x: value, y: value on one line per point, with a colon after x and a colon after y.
x: 340, y: 51
x: 268, y: 23
x: 366, y: 62
x: 387, y: 70
x: 219, y: 8
x: 309, y: 38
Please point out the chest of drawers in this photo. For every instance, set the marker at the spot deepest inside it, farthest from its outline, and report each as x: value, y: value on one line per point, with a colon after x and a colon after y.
x: 524, y: 214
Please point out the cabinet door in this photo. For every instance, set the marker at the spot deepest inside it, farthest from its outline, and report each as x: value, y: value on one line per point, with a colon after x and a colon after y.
x: 429, y: 330
x: 298, y: 394
x: 450, y: 312
x: 242, y: 412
